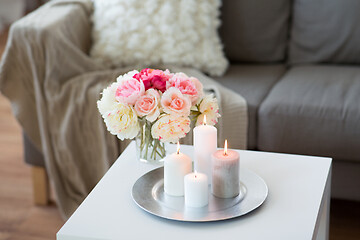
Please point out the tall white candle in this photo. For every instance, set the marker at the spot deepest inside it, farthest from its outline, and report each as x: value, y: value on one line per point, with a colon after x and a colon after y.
x: 225, y: 179
x: 176, y: 166
x: 205, y: 144
x: 196, y: 190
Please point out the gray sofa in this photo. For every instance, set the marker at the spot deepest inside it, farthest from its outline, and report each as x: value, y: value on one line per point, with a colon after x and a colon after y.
x: 297, y: 63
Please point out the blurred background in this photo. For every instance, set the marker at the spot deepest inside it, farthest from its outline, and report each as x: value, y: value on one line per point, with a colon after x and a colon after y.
x: 11, y: 10
x: 20, y: 218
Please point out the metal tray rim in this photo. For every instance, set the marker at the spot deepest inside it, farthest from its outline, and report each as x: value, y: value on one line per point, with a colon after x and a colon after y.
x: 253, y: 189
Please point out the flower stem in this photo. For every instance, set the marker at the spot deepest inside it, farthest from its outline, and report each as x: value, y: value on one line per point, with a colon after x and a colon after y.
x: 153, y: 154
x: 146, y: 141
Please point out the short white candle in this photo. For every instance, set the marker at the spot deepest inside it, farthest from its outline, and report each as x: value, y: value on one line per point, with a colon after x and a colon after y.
x: 196, y: 190
x: 225, y: 179
x: 176, y: 166
x: 205, y: 144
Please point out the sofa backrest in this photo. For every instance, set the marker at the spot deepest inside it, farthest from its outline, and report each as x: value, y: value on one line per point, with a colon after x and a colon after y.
x: 299, y: 31
x: 325, y: 31
x: 255, y: 31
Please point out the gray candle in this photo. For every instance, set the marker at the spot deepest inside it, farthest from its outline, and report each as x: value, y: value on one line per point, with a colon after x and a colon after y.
x: 225, y: 174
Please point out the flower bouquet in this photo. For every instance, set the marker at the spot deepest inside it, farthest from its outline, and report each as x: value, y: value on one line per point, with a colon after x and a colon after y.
x: 156, y: 107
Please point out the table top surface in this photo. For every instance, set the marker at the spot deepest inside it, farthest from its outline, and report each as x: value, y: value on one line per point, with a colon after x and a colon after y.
x: 296, y: 188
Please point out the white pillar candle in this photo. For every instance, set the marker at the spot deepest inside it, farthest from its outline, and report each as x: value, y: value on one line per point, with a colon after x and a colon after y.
x: 176, y: 166
x: 196, y: 190
x: 205, y: 144
x: 225, y: 179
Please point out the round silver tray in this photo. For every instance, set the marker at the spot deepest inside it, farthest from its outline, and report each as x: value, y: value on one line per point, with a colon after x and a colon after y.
x: 148, y: 193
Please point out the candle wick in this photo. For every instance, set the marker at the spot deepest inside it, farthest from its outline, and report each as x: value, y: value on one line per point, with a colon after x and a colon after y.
x: 178, y: 148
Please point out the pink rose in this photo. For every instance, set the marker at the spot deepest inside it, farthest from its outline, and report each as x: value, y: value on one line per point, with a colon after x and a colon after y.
x: 129, y: 90
x: 174, y: 102
x: 154, y: 78
x: 147, y: 105
x: 186, y: 85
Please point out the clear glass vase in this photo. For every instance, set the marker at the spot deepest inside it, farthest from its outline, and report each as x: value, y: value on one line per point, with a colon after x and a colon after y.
x: 148, y: 149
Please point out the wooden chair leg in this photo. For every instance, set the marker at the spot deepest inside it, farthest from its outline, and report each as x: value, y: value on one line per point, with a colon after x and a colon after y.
x: 40, y: 185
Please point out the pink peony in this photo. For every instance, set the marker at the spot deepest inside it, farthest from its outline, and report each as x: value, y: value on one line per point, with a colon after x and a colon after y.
x: 210, y: 108
x: 189, y: 86
x: 158, y: 80
x: 129, y: 90
x: 153, y: 78
x: 147, y: 105
x: 174, y: 102
x: 122, y: 121
x: 143, y: 76
x: 170, y: 128
x: 199, y: 87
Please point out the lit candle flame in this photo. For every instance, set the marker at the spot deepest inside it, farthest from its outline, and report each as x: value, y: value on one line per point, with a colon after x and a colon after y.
x: 204, y: 122
x: 225, y: 147
x: 178, y: 148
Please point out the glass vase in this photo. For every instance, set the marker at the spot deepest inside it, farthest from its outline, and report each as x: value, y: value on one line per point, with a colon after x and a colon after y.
x: 148, y: 149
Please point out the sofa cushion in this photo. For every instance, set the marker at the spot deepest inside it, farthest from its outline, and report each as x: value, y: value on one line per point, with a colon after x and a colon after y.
x: 255, y: 31
x: 313, y: 110
x: 325, y: 31
x: 137, y: 32
x: 253, y: 82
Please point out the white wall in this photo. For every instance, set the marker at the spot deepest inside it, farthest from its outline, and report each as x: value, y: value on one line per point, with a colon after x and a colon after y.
x: 10, y: 11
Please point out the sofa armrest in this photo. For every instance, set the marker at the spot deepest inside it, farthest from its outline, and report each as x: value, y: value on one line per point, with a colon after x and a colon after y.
x: 44, y: 50
x: 65, y: 19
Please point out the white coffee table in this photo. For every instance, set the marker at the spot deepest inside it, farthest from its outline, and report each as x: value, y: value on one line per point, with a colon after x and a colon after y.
x: 297, y: 206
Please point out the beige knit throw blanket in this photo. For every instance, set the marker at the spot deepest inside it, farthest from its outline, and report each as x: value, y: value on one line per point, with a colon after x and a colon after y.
x: 53, y: 86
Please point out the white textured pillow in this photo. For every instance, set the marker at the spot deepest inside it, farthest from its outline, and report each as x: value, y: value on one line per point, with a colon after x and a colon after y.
x: 150, y: 32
